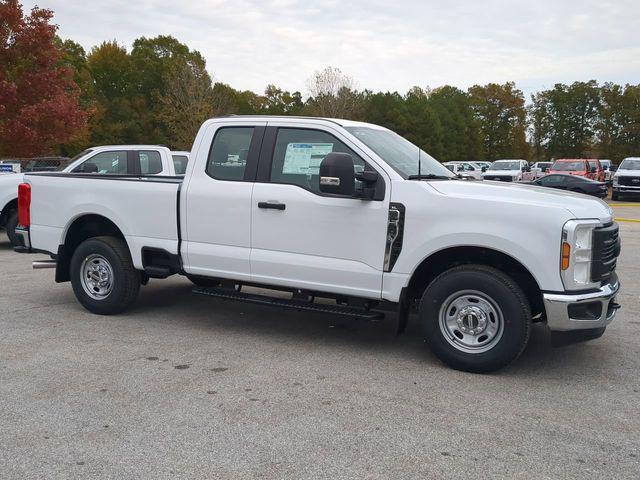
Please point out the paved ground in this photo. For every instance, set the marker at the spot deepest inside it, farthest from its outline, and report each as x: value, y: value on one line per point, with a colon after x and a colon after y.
x: 190, y: 387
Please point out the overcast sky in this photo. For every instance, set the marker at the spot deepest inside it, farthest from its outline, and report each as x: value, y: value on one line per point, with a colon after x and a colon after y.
x: 383, y: 44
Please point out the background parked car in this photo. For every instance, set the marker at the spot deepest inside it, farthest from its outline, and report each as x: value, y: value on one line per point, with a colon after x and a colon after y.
x: 508, y: 171
x: 626, y: 180
x: 573, y: 183
x: 597, y: 169
x: 572, y: 166
x: 465, y: 169
x: 609, y: 168
x: 540, y: 168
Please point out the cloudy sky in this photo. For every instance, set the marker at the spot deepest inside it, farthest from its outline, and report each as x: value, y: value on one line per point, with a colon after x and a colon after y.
x: 383, y: 44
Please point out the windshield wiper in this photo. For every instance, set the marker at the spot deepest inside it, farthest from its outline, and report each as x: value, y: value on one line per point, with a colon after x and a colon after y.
x: 430, y: 176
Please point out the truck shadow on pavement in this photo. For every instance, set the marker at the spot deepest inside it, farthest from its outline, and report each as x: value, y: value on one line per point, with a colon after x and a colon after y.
x: 172, y: 300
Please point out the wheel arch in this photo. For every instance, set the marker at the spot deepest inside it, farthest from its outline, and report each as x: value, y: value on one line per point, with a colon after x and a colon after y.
x: 450, y: 257
x: 4, y: 214
x: 80, y: 229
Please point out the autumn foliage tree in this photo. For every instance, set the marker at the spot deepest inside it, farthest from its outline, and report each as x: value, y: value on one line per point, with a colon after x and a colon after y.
x: 39, y: 100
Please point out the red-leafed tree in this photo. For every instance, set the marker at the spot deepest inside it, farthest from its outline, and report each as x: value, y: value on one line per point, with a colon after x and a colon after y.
x: 39, y: 100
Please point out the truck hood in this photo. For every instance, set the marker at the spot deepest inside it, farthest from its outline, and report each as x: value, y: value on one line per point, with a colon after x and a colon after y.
x: 578, y: 205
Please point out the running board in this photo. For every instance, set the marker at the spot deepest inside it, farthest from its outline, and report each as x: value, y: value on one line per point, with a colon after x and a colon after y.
x: 228, y: 294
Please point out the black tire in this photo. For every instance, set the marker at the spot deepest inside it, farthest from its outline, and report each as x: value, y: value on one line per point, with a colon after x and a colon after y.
x: 126, y: 279
x: 512, y: 309
x: 615, y: 196
x: 203, y: 281
x: 10, y: 227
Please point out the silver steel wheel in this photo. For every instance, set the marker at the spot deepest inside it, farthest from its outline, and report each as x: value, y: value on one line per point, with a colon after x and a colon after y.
x: 96, y: 276
x: 471, y: 321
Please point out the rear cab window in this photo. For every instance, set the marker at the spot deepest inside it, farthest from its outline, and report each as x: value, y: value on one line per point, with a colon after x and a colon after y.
x: 229, y: 152
x: 180, y: 164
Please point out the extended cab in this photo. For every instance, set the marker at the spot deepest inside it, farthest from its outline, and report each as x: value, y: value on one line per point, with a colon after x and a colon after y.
x: 339, y: 210
x: 106, y: 160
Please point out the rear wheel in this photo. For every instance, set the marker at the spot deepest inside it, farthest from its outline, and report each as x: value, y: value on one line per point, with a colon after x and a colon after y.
x: 475, y: 318
x: 10, y: 227
x: 103, y: 277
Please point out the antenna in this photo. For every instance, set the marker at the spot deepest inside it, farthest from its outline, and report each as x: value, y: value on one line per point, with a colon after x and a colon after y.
x: 419, y: 162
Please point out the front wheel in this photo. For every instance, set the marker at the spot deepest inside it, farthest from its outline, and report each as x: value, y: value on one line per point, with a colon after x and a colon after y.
x: 615, y: 196
x: 103, y: 277
x: 475, y: 318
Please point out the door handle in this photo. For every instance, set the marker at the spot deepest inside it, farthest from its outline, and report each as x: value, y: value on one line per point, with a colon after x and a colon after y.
x: 272, y: 205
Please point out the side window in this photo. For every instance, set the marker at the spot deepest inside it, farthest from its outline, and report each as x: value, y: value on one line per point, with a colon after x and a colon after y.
x: 105, y: 163
x: 150, y: 162
x: 228, y: 153
x: 298, y: 153
x: 180, y: 164
x: 552, y: 181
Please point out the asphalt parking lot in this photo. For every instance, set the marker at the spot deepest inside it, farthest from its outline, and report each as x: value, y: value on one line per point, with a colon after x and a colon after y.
x: 192, y: 387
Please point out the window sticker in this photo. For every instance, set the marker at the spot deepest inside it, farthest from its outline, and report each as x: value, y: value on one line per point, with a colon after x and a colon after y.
x: 305, y: 158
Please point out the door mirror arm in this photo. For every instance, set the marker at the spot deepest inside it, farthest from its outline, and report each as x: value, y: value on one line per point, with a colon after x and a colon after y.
x: 367, y: 189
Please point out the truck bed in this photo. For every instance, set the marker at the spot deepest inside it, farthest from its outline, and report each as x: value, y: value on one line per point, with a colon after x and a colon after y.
x: 144, y: 208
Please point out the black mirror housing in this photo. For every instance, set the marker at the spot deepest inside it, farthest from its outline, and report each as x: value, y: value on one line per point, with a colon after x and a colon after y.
x: 337, y: 175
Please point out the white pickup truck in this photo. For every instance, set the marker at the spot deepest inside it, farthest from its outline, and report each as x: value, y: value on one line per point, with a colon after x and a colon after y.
x: 626, y: 180
x: 106, y: 160
x: 337, y: 210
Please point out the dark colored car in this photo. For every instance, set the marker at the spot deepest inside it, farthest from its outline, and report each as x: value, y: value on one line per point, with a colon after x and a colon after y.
x: 573, y: 183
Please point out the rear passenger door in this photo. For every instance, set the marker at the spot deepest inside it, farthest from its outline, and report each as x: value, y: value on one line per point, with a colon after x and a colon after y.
x: 217, y: 237
x: 303, y: 238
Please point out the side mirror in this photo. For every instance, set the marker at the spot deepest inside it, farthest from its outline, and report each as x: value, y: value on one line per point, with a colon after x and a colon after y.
x: 337, y: 175
x: 484, y: 169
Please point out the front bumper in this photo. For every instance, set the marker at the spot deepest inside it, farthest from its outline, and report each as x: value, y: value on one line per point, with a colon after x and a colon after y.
x: 582, y: 311
x: 625, y: 189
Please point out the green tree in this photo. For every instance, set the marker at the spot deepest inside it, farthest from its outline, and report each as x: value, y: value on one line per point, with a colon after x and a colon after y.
x: 618, y: 128
x: 118, y: 104
x: 566, y: 118
x: 460, y: 130
x: 501, y: 115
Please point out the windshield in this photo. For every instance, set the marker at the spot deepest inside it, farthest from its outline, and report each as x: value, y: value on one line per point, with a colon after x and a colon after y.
x: 593, y: 163
x: 568, y: 166
x: 505, y: 165
x: 400, y: 154
x: 630, y: 164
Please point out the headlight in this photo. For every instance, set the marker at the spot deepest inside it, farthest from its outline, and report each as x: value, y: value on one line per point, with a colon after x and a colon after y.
x: 615, y: 181
x: 576, y: 254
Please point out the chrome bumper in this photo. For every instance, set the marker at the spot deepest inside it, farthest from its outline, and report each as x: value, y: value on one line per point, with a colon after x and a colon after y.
x: 567, y: 311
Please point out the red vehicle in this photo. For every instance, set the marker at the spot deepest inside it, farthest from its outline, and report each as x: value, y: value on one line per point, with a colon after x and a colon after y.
x: 600, y: 173
x: 576, y: 166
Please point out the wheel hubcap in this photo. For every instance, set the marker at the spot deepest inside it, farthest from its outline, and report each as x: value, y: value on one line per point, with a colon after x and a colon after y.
x: 96, y: 276
x: 471, y: 321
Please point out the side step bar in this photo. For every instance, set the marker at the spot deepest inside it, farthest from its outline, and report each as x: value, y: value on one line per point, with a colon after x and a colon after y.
x: 229, y: 294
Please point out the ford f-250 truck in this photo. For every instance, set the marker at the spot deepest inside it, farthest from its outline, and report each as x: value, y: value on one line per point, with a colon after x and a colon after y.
x: 341, y: 210
x: 105, y: 160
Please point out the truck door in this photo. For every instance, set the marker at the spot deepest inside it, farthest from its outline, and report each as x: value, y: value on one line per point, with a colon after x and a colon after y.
x: 217, y: 227
x: 303, y: 238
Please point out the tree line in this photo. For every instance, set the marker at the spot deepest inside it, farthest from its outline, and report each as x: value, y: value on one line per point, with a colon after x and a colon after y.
x: 159, y: 92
